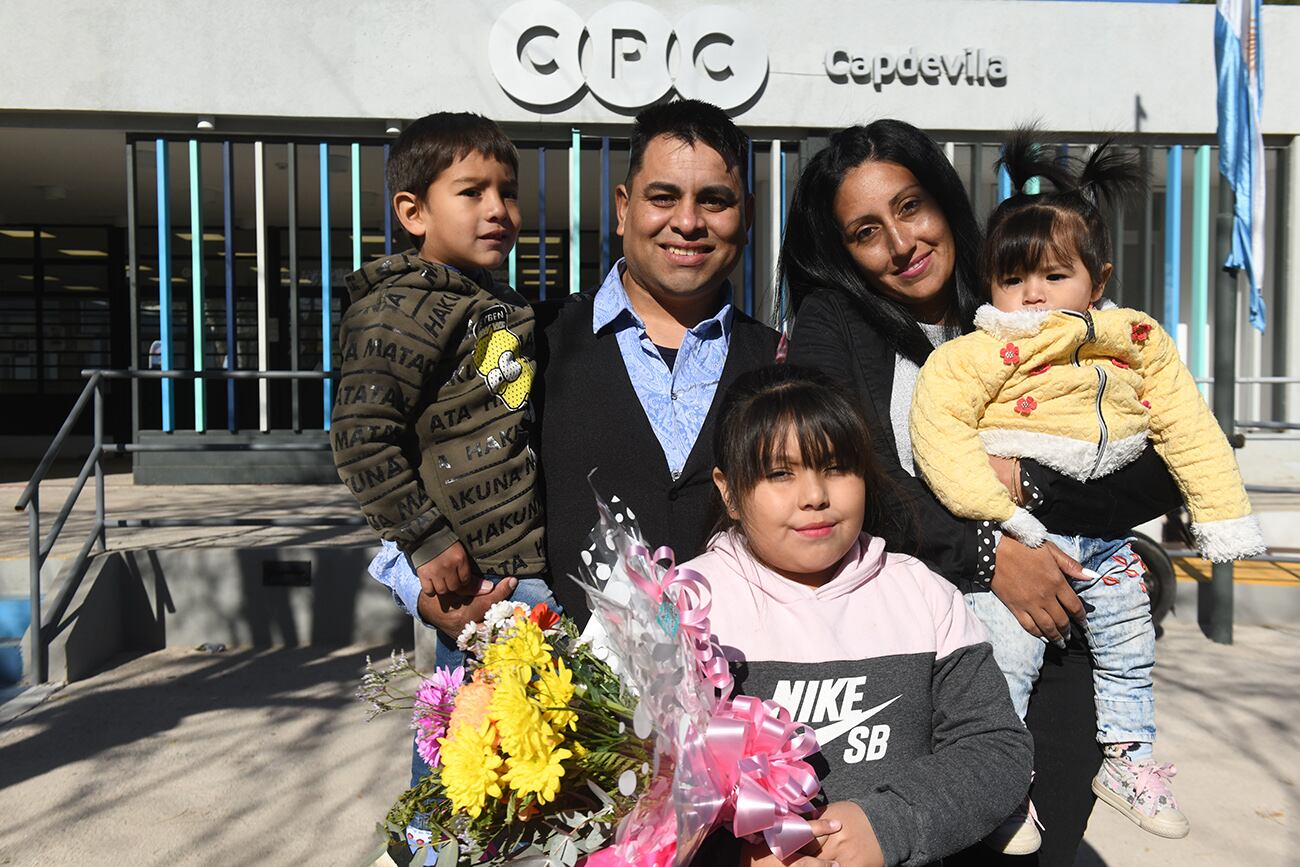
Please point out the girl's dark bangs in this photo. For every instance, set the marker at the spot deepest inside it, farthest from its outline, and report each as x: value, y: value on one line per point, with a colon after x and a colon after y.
x: 1032, y: 238
x: 826, y: 438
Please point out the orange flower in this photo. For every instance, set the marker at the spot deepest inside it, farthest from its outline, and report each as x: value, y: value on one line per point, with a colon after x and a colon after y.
x: 543, y: 616
x: 471, y: 705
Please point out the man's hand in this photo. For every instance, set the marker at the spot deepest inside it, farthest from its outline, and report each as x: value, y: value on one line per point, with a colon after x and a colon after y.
x: 450, y: 612
x: 449, y: 572
x: 1031, y: 583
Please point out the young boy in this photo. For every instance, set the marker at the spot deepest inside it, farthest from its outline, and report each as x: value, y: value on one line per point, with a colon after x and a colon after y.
x: 429, y: 426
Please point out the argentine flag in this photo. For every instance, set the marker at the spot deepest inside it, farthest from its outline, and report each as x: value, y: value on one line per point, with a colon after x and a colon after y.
x: 1238, y: 57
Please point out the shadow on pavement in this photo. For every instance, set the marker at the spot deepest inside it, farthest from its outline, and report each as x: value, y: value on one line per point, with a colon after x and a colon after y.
x: 75, y: 726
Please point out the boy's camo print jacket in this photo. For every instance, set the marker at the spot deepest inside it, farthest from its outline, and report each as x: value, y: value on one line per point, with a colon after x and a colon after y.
x: 430, y: 424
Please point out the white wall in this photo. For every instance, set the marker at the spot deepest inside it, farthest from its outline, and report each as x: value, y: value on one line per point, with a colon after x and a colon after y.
x: 1077, y: 66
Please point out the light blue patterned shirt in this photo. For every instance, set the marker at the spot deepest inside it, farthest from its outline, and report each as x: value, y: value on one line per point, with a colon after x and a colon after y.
x: 677, y: 400
x: 392, y: 568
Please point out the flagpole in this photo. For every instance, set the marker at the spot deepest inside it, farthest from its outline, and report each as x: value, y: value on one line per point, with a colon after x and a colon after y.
x: 1218, y: 596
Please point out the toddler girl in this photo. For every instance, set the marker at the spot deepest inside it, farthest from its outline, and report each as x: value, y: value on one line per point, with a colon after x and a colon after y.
x: 1055, y: 374
x: 921, y: 752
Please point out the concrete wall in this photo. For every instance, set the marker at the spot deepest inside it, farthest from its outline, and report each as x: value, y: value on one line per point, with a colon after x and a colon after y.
x: 1077, y: 66
x: 143, y: 600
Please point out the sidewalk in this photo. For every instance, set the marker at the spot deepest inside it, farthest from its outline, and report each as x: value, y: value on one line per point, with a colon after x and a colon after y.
x: 1229, y: 718
x: 125, y: 499
x: 186, y: 758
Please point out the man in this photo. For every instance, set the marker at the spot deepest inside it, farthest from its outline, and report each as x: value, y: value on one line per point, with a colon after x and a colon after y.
x: 633, y: 372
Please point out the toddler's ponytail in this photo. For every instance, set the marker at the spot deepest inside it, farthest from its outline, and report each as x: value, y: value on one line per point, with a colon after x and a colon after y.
x: 1026, y: 156
x: 1110, y: 175
x: 1027, y: 229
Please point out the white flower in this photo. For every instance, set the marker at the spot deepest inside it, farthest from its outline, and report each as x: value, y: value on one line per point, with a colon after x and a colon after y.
x: 502, y: 614
x: 467, y: 636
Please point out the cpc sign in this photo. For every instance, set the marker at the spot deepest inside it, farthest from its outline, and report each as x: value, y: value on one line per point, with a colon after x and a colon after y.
x: 628, y: 54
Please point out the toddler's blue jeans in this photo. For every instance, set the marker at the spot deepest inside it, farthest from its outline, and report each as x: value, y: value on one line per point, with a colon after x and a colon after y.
x: 1119, y: 634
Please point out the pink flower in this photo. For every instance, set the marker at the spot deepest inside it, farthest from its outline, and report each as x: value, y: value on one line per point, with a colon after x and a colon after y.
x: 1141, y: 331
x: 1026, y: 405
x: 1010, y: 354
x: 433, y: 705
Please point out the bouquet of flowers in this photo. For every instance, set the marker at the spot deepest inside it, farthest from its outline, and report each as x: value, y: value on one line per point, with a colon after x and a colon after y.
x: 532, y: 744
x: 611, y: 746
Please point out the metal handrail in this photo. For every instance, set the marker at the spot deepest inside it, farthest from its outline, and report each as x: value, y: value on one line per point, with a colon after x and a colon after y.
x: 45, y: 629
x: 59, y: 438
x: 1253, y: 380
x: 210, y: 374
x: 1269, y: 425
x: 1189, y: 553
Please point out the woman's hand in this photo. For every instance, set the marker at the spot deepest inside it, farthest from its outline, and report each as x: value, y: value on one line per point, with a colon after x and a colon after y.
x: 844, y: 838
x: 1031, y: 582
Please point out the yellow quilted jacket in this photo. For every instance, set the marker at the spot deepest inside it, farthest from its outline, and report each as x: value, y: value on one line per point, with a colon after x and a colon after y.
x: 1081, y: 393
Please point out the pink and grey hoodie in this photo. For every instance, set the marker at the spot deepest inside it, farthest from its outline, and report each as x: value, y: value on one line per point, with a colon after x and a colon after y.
x: 897, y: 678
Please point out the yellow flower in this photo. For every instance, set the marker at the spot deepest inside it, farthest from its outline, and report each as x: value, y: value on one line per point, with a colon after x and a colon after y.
x: 538, y: 775
x: 519, y: 721
x: 519, y: 655
x: 470, y: 768
x: 554, y: 691
x: 578, y: 749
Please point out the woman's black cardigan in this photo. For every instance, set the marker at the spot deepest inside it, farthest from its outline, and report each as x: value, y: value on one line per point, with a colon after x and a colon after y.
x: 832, y: 334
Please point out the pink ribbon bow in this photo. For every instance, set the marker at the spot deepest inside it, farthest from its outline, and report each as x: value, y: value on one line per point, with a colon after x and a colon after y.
x: 758, y: 765
x: 689, y: 592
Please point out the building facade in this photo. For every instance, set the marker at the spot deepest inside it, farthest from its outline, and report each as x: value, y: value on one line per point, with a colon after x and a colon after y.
x: 185, y: 184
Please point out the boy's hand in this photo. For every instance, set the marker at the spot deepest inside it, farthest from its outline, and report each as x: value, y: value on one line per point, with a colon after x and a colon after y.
x: 449, y: 572
x: 450, y: 612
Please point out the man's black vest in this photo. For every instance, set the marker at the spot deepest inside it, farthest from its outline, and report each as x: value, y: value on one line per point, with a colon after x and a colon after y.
x: 591, y: 418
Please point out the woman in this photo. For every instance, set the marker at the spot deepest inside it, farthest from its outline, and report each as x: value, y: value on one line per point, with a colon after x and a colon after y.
x: 880, y: 256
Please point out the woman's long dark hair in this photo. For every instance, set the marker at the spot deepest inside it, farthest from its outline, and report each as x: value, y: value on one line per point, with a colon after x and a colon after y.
x: 813, y: 255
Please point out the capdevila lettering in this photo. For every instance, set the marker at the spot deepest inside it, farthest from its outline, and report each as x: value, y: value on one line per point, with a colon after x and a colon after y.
x: 974, y: 65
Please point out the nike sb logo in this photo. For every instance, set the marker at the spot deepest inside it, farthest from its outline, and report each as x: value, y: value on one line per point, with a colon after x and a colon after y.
x: 834, y: 704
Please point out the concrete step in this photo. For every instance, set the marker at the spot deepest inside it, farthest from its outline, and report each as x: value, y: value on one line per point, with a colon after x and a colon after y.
x: 144, y: 600
x: 15, y: 576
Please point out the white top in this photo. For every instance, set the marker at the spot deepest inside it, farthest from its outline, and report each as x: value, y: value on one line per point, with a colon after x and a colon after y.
x: 900, y: 398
